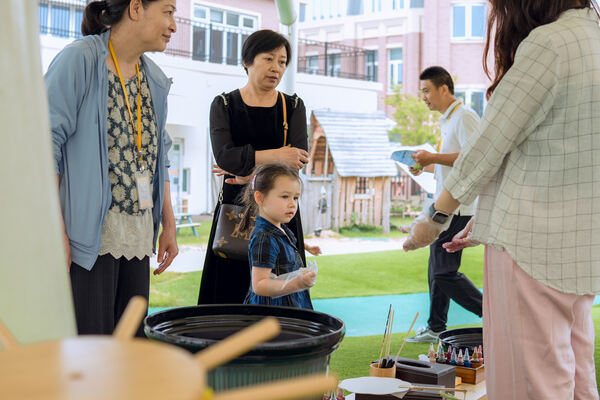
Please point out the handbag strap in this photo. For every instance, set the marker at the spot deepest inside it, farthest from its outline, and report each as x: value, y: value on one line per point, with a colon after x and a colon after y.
x: 285, y: 130
x: 285, y: 124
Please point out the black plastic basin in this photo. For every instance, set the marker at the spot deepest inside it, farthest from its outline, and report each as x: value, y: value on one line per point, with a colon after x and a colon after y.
x: 462, y: 338
x: 303, y: 347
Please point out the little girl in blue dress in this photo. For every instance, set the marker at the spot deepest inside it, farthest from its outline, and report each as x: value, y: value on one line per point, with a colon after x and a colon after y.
x: 278, y: 274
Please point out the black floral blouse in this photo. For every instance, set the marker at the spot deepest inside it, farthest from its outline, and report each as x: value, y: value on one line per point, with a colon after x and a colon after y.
x: 122, y: 147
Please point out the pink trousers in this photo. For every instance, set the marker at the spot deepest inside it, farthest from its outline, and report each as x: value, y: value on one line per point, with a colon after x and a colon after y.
x: 538, y: 342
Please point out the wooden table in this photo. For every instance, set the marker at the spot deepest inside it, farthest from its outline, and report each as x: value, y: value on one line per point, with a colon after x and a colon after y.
x: 184, y: 220
x: 100, y: 367
x: 474, y: 392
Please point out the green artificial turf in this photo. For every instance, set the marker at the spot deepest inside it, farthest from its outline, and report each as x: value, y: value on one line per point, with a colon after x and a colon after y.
x: 384, y: 272
x: 363, y: 274
x: 185, y: 235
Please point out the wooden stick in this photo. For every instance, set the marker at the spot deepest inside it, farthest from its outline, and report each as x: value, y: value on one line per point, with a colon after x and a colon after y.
x: 289, y: 389
x: 407, y: 335
x: 390, y: 335
x: 7, y: 340
x: 387, y: 322
x: 238, y: 343
x: 131, y: 318
x: 438, y: 389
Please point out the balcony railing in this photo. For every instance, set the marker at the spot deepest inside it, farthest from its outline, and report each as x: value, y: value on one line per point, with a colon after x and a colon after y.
x: 220, y: 44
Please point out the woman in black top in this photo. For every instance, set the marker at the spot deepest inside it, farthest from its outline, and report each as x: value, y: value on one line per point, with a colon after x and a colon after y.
x: 246, y: 129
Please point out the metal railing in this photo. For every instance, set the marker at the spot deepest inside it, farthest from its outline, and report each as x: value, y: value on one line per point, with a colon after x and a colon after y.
x: 217, y: 43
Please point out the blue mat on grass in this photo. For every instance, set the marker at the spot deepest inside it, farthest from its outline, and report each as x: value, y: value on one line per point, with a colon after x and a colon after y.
x: 365, y: 316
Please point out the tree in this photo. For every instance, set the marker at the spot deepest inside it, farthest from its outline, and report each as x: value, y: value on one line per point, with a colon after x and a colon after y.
x: 415, y: 123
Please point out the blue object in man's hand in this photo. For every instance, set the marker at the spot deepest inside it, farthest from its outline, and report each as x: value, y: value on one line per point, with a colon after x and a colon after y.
x: 404, y: 157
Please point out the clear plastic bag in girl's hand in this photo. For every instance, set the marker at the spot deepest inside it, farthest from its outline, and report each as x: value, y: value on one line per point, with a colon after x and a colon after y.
x: 304, y: 277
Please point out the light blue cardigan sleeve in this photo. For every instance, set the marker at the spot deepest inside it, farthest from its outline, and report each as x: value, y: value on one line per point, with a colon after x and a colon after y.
x: 167, y: 142
x: 66, y: 84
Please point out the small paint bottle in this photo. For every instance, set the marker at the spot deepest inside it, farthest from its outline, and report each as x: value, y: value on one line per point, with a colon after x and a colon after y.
x: 460, y: 360
x: 431, y: 354
x: 453, y: 357
x: 475, y: 360
x: 467, y: 358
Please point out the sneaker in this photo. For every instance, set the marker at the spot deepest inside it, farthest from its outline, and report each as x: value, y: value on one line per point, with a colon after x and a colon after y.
x: 424, y: 335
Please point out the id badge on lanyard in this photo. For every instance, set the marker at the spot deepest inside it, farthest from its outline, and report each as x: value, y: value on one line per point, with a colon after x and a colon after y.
x: 142, y: 176
x: 142, y: 181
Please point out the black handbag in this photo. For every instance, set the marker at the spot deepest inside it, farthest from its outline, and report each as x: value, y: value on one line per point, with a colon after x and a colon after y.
x: 229, y: 242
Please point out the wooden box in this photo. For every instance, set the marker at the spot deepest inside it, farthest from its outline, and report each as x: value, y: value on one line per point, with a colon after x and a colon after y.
x: 424, y: 372
x: 471, y: 375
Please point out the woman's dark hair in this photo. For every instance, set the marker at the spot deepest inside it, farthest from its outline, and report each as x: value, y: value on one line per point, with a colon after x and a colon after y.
x: 263, y: 180
x: 99, y: 16
x: 264, y: 41
x: 438, y: 76
x: 513, y: 20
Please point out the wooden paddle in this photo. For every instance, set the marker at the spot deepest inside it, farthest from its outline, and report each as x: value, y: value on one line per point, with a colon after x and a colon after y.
x: 7, y: 340
x: 238, y: 343
x: 130, y: 320
x: 290, y: 389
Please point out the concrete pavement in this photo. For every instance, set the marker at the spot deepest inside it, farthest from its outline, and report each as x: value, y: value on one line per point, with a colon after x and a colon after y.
x: 191, y: 258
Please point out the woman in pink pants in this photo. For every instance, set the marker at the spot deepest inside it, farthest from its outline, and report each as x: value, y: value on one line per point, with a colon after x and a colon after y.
x: 535, y: 165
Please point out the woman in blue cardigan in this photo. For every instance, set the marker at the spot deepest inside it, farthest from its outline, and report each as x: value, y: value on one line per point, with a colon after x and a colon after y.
x: 108, y: 111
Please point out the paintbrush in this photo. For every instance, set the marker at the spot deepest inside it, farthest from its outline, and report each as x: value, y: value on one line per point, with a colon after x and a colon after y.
x: 392, y: 360
x: 385, y: 361
x: 387, y: 323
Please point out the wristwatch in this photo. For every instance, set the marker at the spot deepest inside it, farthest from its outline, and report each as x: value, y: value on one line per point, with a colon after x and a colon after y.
x: 437, y: 216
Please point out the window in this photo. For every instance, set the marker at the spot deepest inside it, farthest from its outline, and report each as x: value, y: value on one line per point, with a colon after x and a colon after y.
x: 375, y: 6
x: 78, y: 18
x: 321, y: 9
x: 417, y: 3
x: 395, y: 68
x: 478, y: 21
x: 468, y: 21
x: 216, y: 46
x: 474, y: 98
x: 232, y: 48
x: 216, y: 16
x: 185, y: 181
x: 60, y: 19
x: 334, y: 64
x: 371, y: 65
x: 302, y: 16
x: 312, y: 65
x: 43, y: 17
x: 355, y: 7
x: 233, y: 19
x: 362, y: 185
x: 218, y: 35
x: 200, y: 12
x: 397, y: 4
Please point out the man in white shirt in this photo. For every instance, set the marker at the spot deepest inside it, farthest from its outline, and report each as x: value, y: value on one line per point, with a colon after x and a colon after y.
x: 458, y: 124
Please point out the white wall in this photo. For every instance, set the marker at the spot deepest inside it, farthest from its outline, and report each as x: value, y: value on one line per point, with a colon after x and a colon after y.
x: 195, y: 84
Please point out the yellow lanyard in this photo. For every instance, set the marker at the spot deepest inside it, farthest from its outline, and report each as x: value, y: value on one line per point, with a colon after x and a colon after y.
x: 139, y: 102
x: 449, y: 115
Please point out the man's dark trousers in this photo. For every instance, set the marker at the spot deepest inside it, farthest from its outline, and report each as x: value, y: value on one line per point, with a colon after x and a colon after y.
x: 445, y: 282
